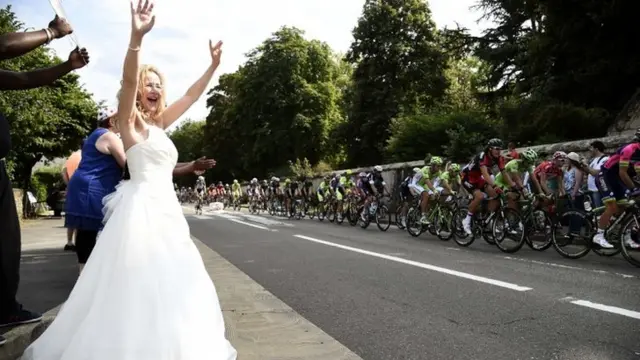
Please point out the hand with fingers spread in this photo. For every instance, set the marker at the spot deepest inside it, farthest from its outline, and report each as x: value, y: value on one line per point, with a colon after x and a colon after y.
x: 142, y: 18
x: 216, y: 53
x: 60, y: 27
x: 78, y: 58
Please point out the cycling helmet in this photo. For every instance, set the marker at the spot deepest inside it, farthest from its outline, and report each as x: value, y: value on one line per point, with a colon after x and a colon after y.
x: 362, y: 174
x: 235, y: 181
x: 436, y: 160
x: 416, y: 170
x: 454, y: 167
x: 636, y: 136
x: 495, y: 143
x: 559, y: 155
x: 286, y: 181
x: 348, y: 173
x: 226, y: 185
x: 377, y: 168
x: 254, y: 180
x: 530, y: 155
x: 201, y: 178
x: 265, y: 181
x: 219, y: 183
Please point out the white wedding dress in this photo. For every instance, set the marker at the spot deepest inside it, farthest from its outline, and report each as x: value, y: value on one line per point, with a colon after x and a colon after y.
x: 144, y: 293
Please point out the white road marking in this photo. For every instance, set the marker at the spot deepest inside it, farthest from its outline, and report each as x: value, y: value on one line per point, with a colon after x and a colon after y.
x: 450, y: 248
x: 420, y: 265
x: 626, y: 276
x: 397, y: 254
x: 201, y: 217
x: 602, y: 307
x: 249, y: 224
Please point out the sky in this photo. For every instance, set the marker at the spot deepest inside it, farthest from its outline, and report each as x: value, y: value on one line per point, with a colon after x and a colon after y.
x: 178, y: 44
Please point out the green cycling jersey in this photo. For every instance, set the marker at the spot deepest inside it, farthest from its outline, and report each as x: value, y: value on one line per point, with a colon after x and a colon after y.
x: 517, y: 166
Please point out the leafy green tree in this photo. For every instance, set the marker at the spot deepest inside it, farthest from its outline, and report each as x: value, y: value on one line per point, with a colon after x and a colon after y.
x: 188, y: 138
x: 399, y: 67
x: 45, y: 122
x: 279, y: 106
x: 454, y: 134
x: 547, y: 57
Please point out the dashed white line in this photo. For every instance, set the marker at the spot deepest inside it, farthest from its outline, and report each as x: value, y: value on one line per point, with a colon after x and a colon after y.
x: 420, y: 265
x: 603, y: 307
x: 249, y: 224
x: 598, y: 271
x: 452, y: 248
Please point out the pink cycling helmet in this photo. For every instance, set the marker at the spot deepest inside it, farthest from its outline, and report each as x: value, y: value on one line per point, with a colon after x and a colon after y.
x: 559, y: 155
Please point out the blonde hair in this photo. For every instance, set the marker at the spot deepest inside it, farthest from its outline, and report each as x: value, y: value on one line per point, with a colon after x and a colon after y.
x: 162, y: 104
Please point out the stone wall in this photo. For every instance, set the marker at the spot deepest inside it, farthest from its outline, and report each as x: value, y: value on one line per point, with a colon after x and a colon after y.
x: 17, y: 195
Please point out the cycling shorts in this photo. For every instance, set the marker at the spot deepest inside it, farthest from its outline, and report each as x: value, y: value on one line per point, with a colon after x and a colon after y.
x: 610, y: 186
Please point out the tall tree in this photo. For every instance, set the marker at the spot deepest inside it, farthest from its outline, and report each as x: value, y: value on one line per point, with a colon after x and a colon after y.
x: 49, y: 121
x: 280, y: 106
x: 399, y: 67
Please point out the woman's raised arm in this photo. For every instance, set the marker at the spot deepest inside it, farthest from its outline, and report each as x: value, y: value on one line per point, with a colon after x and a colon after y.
x: 142, y: 21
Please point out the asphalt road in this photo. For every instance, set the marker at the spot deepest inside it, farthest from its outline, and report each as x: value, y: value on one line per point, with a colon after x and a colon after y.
x: 392, y: 296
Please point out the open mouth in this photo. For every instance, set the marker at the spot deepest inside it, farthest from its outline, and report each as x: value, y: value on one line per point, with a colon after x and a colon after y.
x: 153, y: 100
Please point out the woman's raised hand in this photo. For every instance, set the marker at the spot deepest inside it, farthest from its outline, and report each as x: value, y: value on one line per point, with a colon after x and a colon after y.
x: 142, y: 18
x: 216, y: 53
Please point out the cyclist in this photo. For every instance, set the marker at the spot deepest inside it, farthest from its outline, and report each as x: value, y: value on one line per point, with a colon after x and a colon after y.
x: 236, y: 191
x: 405, y: 196
x: 374, y: 185
x: 323, y: 189
x: 516, y: 169
x: 615, y: 182
x: 290, y: 190
x: 548, y: 177
x: 450, y: 179
x: 421, y: 179
x: 200, y: 188
x: 253, y: 190
x: 307, y: 185
x: 478, y: 181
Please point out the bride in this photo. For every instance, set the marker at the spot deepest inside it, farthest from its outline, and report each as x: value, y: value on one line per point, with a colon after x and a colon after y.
x: 145, y: 293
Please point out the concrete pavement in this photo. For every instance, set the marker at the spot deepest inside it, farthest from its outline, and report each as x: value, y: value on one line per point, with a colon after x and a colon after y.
x: 259, y: 325
x: 47, y: 275
x: 391, y: 296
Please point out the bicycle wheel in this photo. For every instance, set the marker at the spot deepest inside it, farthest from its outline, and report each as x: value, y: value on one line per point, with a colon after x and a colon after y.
x: 414, y: 226
x: 460, y: 236
x: 629, y: 235
x: 352, y: 214
x: 444, y: 225
x: 573, y: 244
x: 321, y: 213
x: 537, y: 230
x: 383, y: 218
x: 398, y: 216
x: 364, y: 222
x: 508, y: 230
x: 340, y: 219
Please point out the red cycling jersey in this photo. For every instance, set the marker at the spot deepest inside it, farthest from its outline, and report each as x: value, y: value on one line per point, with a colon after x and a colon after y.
x: 548, y: 168
x: 471, y: 172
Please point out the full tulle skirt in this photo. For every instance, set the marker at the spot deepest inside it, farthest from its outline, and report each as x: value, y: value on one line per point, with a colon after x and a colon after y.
x: 144, y: 294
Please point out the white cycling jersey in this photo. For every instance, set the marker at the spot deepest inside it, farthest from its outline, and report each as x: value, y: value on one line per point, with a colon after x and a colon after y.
x: 200, y: 185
